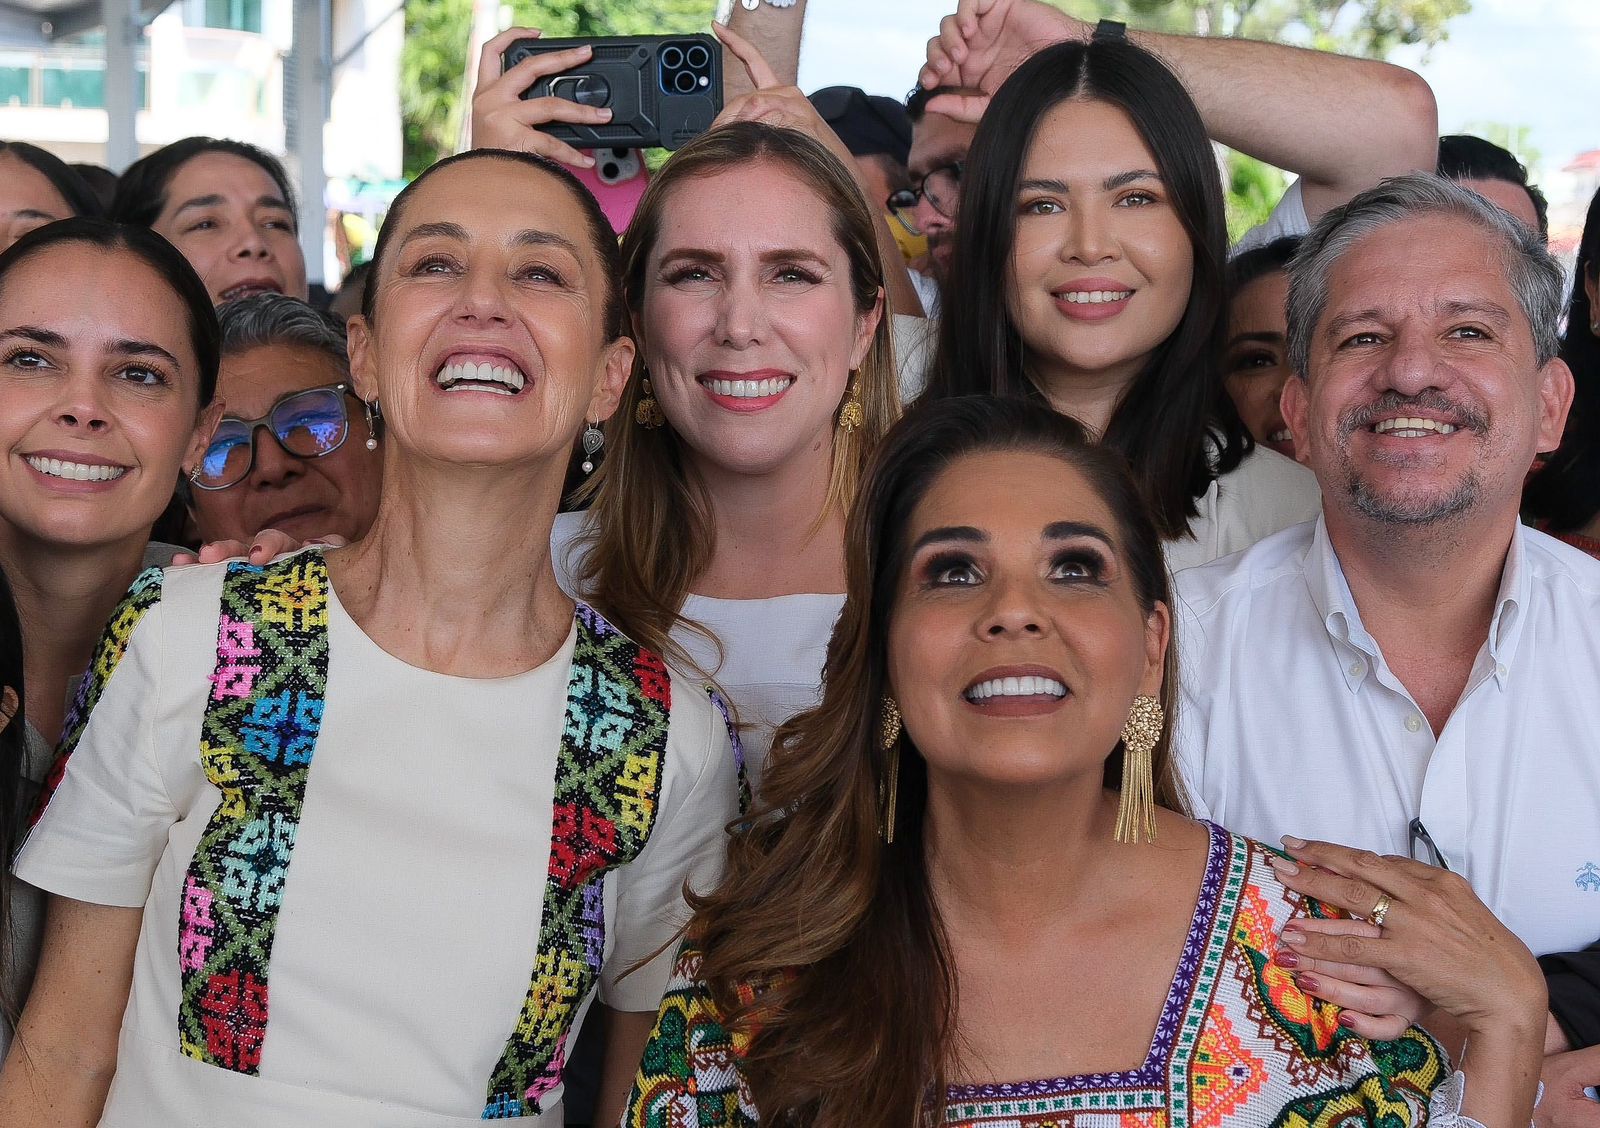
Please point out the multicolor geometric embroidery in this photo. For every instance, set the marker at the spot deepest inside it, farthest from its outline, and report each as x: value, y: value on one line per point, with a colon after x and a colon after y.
x: 113, y: 644
x: 262, y: 719
x: 608, y: 782
x: 1223, y: 1052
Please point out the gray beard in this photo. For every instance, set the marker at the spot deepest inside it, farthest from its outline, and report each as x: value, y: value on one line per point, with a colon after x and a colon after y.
x: 1391, y: 512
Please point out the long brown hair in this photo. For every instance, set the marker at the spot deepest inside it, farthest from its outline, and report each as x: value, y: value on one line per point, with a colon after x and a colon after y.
x: 855, y: 1021
x: 653, y: 530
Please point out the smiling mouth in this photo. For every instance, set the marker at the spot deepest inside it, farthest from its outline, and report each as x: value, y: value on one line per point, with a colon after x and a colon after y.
x: 77, y: 471
x: 1028, y: 686
x: 749, y: 389
x: 1406, y: 427
x: 1282, y: 436
x: 1093, y: 297
x: 249, y: 290
x: 499, y: 379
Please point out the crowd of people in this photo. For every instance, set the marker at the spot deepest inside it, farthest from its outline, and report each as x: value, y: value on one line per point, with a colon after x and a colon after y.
x: 990, y: 654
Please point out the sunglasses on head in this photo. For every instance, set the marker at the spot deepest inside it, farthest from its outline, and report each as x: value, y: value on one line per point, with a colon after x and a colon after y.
x: 306, y: 424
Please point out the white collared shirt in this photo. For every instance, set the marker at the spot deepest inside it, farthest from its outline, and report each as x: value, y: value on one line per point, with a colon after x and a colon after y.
x: 1291, y: 722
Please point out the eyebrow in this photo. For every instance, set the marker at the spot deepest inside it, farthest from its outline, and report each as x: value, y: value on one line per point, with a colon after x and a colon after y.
x: 1263, y: 337
x: 780, y: 254
x: 33, y: 213
x: 213, y: 199
x: 534, y: 237
x: 969, y: 534
x: 1109, y: 184
x: 123, y: 346
x: 1489, y: 311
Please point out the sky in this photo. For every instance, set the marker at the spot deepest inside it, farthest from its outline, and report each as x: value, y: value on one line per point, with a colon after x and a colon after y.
x: 1520, y: 62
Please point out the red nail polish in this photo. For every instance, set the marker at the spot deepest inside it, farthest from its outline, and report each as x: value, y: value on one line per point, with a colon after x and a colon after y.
x: 1294, y: 936
x: 1309, y: 983
x: 1346, y: 1021
x: 1284, y: 958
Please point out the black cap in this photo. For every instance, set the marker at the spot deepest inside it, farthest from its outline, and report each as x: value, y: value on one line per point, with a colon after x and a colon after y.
x: 866, y: 123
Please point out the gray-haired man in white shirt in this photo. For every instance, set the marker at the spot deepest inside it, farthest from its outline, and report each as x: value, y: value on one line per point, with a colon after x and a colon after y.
x: 1415, y: 673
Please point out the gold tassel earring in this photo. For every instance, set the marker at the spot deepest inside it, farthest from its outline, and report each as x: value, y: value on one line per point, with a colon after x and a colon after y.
x: 1136, y: 810
x: 647, y: 412
x: 889, y: 741
x: 851, y: 415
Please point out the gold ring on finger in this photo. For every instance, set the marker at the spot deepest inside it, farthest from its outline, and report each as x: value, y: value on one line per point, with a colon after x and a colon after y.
x: 1380, y: 910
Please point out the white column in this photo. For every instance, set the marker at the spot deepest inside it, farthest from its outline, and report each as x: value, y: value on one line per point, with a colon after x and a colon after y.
x: 312, y: 78
x: 123, y: 32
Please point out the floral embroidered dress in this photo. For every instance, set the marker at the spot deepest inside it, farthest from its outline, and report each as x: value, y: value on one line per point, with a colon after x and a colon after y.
x: 372, y: 894
x: 1237, y: 1044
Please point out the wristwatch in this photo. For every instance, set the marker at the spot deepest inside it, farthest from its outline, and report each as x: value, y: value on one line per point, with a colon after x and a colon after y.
x: 1105, y: 29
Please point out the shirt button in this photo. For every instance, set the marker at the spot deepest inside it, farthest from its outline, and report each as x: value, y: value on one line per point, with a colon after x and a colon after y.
x: 1413, y: 723
x: 1357, y: 669
x: 1500, y: 668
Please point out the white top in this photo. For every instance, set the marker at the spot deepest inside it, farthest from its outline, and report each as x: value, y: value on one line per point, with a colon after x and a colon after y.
x: 1287, y: 218
x: 411, y: 910
x: 1266, y: 492
x: 772, y: 650
x: 1292, y: 723
x: 916, y: 339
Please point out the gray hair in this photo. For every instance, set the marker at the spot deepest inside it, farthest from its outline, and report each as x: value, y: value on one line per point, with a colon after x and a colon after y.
x: 1531, y: 270
x: 273, y: 319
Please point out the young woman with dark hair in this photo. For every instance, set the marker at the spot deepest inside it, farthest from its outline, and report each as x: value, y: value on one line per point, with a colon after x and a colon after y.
x: 108, y: 362
x: 228, y: 206
x: 969, y: 894
x: 1255, y: 360
x: 36, y: 188
x: 1564, y: 497
x: 1089, y: 274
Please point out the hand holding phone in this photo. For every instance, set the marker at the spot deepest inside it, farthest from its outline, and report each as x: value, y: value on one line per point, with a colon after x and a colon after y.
x: 503, y: 119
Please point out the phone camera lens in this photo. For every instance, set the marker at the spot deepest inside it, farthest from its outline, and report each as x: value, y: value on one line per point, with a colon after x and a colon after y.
x: 698, y: 56
x: 683, y: 82
x: 672, y: 57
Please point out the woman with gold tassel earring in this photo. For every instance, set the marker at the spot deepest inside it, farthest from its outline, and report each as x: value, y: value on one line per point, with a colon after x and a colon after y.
x: 970, y: 893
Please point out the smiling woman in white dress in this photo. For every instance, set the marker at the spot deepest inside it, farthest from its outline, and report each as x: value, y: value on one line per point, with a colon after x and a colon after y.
x: 366, y: 830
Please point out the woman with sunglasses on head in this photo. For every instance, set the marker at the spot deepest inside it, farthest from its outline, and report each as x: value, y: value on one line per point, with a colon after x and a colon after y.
x: 297, y: 450
x: 368, y: 830
x: 108, y: 355
x: 970, y: 895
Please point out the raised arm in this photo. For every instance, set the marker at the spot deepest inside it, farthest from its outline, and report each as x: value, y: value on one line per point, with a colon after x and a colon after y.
x: 1340, y: 123
x: 772, y: 31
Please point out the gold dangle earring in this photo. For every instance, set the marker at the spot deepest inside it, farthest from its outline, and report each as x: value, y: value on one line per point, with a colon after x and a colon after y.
x: 647, y: 412
x: 889, y: 728
x: 1136, y: 810
x: 851, y: 415
x: 372, y: 431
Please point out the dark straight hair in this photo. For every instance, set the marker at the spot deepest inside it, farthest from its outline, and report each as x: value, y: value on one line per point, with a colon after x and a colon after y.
x: 1566, y: 493
x: 156, y: 253
x: 1175, y: 424
x: 13, y: 800
x: 74, y: 189
x: 142, y: 189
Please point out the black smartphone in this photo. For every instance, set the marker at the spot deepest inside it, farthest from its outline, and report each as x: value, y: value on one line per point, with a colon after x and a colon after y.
x: 663, y: 90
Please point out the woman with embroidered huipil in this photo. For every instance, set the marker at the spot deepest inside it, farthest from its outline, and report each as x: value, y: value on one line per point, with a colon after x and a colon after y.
x: 367, y: 830
x: 968, y: 894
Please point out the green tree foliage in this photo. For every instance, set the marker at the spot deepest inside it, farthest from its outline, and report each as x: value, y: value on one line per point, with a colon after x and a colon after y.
x: 434, y: 60
x: 1372, y: 28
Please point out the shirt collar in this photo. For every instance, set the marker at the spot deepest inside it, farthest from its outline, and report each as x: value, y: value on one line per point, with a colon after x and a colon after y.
x: 1330, y: 593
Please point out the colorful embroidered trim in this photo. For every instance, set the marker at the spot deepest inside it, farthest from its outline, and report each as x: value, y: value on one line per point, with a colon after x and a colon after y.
x: 608, y: 781
x: 260, y: 730
x: 143, y: 595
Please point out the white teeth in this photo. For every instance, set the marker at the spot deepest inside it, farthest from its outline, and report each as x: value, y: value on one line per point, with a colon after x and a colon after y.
x: 1408, y: 428
x: 76, y: 471
x: 749, y: 389
x: 501, y: 379
x: 1282, y: 436
x: 1016, y: 687
x: 1095, y: 297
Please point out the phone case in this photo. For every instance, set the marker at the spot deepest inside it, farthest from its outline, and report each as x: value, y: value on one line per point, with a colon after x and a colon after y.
x: 663, y: 90
x: 617, y: 180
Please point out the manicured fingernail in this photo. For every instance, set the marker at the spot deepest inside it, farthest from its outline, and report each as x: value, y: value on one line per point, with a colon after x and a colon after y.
x: 1346, y: 1021
x: 605, y: 113
x: 1294, y: 936
x: 1283, y: 865
x: 1309, y: 983
x: 1285, y: 958
x: 1292, y: 842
